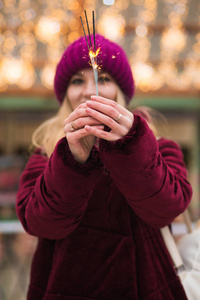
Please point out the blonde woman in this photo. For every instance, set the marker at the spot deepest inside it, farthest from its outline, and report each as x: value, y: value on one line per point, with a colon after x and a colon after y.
x: 98, y: 188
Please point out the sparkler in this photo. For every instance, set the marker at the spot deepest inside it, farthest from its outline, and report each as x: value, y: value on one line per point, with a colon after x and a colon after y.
x: 92, y: 50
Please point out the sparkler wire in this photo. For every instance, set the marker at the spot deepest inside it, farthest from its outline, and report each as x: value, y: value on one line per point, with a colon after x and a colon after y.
x: 92, y: 52
x: 96, y: 80
x: 85, y: 34
x: 88, y: 28
x: 94, y: 32
x: 95, y: 59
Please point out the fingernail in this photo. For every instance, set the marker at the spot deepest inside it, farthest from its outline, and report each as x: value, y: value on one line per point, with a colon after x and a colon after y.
x: 89, y: 103
x: 93, y: 97
x: 88, y: 110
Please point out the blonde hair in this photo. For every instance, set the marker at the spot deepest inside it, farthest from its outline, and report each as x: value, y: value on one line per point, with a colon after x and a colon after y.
x: 147, y: 114
x: 51, y: 131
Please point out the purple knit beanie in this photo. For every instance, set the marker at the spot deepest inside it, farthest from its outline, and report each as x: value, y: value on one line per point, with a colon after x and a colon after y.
x: 111, y: 59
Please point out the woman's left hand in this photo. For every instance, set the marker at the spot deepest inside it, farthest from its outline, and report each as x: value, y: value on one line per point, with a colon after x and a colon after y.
x: 110, y: 113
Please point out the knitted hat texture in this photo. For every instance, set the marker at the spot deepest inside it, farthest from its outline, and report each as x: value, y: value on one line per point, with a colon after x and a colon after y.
x: 111, y: 59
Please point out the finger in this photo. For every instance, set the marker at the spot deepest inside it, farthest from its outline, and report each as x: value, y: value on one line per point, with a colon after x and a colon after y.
x: 71, y: 127
x: 79, y: 113
x: 103, y: 118
x: 118, y: 107
x: 120, y: 126
x: 102, y: 134
x: 80, y: 123
x: 82, y: 105
x: 100, y: 127
x: 104, y: 108
x: 75, y: 136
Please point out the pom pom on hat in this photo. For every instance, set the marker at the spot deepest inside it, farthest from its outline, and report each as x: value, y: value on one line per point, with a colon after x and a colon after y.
x: 111, y: 59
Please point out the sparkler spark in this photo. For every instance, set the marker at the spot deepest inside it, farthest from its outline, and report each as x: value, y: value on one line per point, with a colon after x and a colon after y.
x: 93, y: 56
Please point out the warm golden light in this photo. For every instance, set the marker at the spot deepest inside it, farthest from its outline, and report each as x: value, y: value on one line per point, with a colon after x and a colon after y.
x: 141, y: 30
x: 147, y: 16
x: 112, y: 25
x: 137, y: 2
x: 73, y: 36
x: 47, y: 75
x: 94, y: 54
x: 162, y: 51
x: 174, y: 39
x: 142, y: 71
x: 17, y: 71
x: 47, y: 29
x: 11, y: 69
x: 3, y: 84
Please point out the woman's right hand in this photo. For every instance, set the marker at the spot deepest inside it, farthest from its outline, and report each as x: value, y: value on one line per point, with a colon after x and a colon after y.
x: 79, y: 140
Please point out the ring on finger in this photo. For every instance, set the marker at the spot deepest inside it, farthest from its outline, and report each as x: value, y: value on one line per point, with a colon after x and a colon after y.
x: 73, y: 126
x: 118, y: 118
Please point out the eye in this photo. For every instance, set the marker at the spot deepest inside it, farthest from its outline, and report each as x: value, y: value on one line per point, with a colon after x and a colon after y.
x: 103, y: 79
x: 77, y: 81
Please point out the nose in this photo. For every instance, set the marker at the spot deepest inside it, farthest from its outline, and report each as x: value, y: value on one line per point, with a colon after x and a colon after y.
x: 90, y: 88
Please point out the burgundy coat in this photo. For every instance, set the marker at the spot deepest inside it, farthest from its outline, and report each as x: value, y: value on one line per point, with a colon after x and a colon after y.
x: 98, y: 223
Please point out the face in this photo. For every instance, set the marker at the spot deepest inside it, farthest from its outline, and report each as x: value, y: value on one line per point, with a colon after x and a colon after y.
x: 82, y: 87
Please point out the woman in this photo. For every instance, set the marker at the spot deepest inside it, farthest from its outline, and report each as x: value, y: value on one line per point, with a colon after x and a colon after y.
x: 97, y: 193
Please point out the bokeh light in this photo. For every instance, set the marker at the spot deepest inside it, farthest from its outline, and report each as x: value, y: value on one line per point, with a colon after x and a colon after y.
x: 112, y: 25
x: 17, y: 71
x: 47, y: 29
x: 162, y: 45
x: 47, y: 75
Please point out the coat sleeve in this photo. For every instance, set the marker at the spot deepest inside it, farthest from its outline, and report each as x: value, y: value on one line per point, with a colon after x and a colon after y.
x: 151, y: 174
x: 53, y: 193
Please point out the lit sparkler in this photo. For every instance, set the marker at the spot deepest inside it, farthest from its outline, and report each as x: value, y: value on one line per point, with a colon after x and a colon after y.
x: 92, y: 50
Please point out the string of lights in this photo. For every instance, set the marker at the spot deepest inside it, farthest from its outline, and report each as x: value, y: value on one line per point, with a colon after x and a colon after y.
x: 161, y: 38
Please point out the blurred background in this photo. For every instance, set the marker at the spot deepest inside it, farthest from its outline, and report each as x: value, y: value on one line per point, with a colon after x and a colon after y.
x: 162, y: 41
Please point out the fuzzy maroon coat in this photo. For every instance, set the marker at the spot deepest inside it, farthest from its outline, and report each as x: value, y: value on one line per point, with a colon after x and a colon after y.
x: 98, y: 223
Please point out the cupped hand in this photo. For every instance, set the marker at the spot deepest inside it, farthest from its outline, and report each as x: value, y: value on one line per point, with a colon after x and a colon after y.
x: 80, y: 141
x: 110, y: 113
